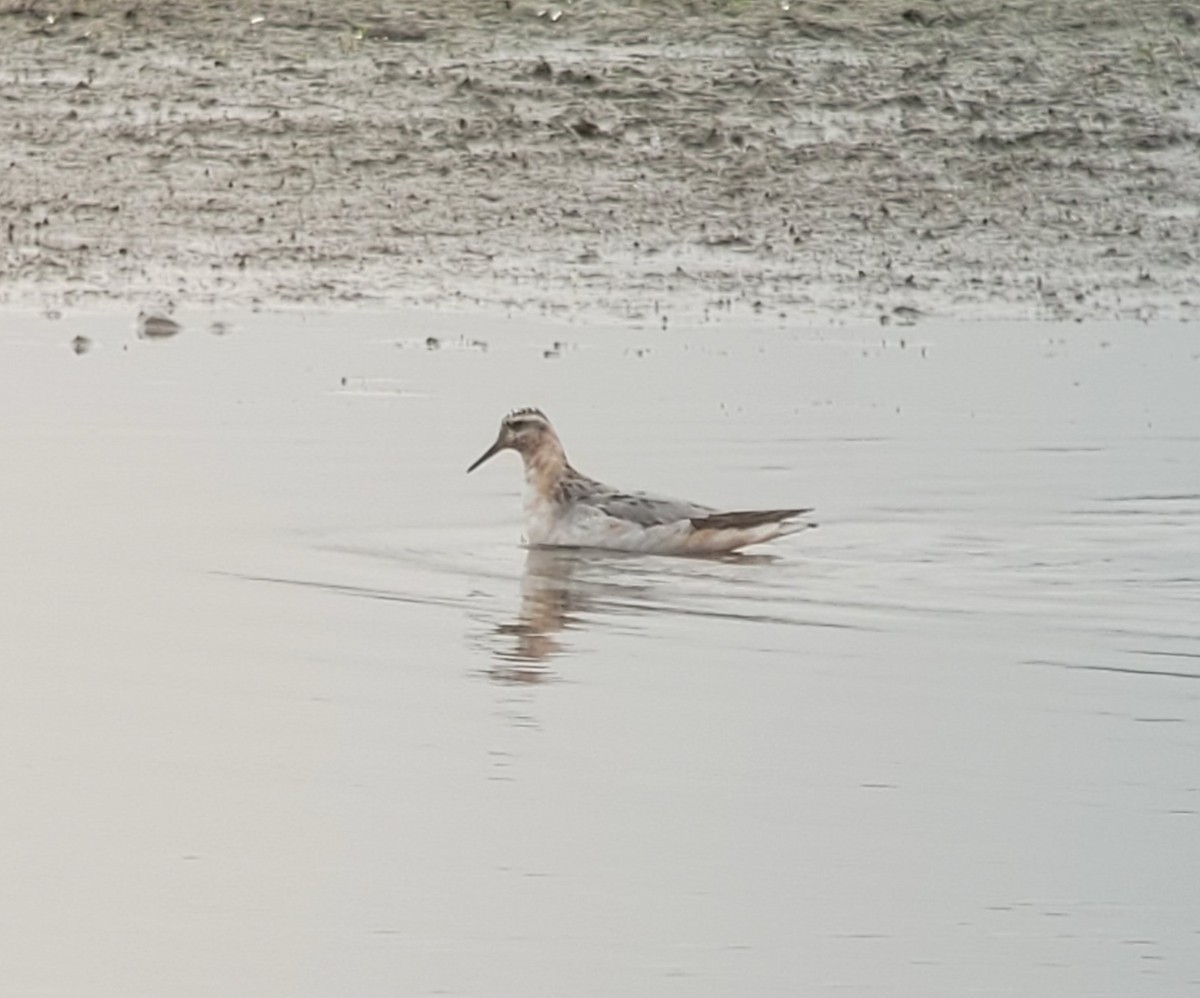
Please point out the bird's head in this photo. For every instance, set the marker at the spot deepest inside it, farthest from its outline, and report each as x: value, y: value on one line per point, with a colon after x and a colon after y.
x: 524, y: 430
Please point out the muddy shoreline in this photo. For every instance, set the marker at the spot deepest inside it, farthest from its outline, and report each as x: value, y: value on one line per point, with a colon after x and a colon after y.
x: 666, y: 159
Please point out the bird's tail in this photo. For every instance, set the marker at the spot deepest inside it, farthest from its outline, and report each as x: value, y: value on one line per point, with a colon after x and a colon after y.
x: 754, y: 518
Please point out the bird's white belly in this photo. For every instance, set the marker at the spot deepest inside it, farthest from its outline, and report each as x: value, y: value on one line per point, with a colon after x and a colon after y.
x: 579, y: 525
x: 551, y: 523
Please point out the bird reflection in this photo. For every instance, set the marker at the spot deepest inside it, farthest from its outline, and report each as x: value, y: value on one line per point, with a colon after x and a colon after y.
x: 564, y: 589
x: 551, y: 602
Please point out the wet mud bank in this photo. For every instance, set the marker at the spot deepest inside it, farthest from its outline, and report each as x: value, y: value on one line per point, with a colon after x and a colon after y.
x: 891, y: 159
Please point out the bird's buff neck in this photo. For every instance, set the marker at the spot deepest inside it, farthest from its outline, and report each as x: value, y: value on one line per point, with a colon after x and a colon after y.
x: 545, y: 466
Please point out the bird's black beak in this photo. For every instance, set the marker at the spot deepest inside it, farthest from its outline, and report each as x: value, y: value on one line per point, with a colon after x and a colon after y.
x: 491, y: 452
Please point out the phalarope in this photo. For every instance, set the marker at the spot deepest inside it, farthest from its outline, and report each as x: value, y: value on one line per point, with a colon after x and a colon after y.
x: 566, y: 509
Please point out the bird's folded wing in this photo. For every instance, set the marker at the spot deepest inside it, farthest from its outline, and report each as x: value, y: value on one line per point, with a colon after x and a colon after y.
x: 644, y: 509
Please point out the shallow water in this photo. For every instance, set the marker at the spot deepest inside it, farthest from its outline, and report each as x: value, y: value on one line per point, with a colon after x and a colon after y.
x: 288, y: 709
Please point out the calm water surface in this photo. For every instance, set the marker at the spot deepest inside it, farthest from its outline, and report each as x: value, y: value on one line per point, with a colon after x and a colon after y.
x: 288, y: 710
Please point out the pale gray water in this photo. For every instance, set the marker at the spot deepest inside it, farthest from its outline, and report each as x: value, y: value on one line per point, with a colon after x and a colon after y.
x: 288, y: 711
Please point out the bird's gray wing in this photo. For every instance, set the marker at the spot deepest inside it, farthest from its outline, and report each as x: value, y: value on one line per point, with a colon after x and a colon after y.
x: 642, y: 508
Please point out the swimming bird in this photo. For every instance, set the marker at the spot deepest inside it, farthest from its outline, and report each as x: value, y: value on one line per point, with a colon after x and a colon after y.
x: 564, y: 508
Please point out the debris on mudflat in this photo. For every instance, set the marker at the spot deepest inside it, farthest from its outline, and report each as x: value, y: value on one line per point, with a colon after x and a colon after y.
x: 153, y: 326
